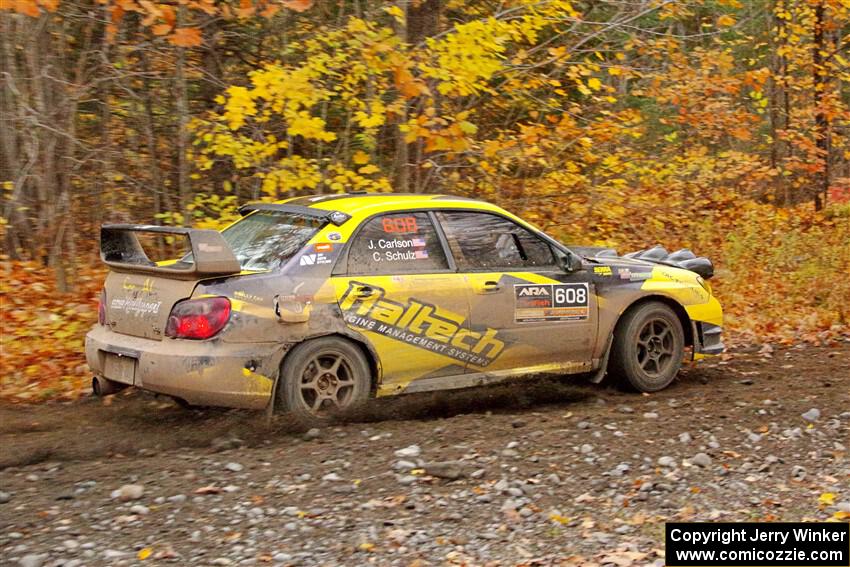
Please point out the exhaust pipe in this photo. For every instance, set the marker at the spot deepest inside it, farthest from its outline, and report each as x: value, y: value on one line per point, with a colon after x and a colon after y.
x: 101, y: 386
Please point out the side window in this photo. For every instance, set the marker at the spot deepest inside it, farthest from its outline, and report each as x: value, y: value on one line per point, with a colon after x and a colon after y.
x: 481, y: 241
x: 397, y: 243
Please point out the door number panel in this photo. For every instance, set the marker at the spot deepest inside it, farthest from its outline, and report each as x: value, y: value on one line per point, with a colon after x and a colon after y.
x: 551, y: 302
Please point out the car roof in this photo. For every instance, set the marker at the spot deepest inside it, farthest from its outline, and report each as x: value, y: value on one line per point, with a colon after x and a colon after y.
x: 358, y: 204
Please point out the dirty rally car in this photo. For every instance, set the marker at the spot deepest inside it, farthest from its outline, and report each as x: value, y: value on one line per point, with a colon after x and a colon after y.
x: 318, y: 303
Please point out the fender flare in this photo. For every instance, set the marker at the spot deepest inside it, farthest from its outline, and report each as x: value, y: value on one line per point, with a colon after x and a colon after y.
x: 678, y: 309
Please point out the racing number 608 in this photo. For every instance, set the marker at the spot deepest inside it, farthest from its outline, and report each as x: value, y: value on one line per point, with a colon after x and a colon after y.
x: 570, y: 295
x: 399, y: 224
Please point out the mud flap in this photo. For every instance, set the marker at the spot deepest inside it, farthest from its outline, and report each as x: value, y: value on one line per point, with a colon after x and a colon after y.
x: 272, y: 400
x: 603, y: 363
x: 277, y: 375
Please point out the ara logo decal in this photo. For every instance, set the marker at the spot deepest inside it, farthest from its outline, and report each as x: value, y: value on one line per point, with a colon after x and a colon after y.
x: 419, y: 324
x: 533, y: 290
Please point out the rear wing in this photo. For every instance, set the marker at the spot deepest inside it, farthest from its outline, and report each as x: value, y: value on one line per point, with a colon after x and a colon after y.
x: 121, y: 250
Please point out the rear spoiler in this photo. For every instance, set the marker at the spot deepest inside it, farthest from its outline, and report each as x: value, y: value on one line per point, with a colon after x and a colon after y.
x: 121, y: 250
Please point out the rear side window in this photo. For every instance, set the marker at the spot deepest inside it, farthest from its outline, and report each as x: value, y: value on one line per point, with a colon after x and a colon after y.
x: 481, y: 241
x: 265, y: 240
x: 399, y: 243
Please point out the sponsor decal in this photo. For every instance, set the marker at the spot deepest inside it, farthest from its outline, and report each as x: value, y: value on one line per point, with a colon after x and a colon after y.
x: 334, y: 236
x: 245, y: 296
x: 602, y: 270
x: 627, y: 274
x: 313, y: 260
x: 419, y: 324
x: 323, y: 247
x: 137, y: 307
x: 204, y: 247
x: 147, y: 285
x: 551, y: 302
x: 399, y: 225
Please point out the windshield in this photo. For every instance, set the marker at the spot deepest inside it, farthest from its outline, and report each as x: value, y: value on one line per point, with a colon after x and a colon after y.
x: 265, y: 240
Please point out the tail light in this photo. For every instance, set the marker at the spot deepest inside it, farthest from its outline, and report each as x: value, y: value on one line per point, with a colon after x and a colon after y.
x: 101, y: 308
x: 198, y: 318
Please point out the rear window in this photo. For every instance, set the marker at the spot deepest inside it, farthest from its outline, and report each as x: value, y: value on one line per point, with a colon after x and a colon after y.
x: 265, y: 240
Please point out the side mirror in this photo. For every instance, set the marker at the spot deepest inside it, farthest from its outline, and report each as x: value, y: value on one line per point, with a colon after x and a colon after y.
x: 572, y: 262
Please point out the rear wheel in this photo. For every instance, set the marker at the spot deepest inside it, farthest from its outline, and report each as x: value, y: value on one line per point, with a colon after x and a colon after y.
x: 322, y: 377
x: 648, y: 347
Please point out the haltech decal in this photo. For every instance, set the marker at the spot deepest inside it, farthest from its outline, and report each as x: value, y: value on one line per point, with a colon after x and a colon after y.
x: 418, y: 324
x: 551, y: 302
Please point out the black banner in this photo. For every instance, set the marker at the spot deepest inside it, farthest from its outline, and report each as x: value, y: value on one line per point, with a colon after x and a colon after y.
x: 756, y: 544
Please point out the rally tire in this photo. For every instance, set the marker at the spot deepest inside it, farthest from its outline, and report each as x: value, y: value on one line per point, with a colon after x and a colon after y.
x: 648, y: 348
x: 321, y: 378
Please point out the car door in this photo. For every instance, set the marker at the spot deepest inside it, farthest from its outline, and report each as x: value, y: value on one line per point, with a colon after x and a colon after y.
x: 399, y: 292
x: 545, y: 316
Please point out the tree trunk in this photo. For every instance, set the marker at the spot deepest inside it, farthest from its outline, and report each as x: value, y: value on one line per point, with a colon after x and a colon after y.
x: 422, y: 19
x: 182, y: 123
x: 778, y: 101
x: 821, y: 185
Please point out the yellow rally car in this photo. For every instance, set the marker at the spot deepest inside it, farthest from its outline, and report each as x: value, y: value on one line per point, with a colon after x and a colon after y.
x: 317, y: 303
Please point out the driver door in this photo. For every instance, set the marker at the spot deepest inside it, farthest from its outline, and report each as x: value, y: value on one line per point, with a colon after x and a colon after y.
x: 545, y: 316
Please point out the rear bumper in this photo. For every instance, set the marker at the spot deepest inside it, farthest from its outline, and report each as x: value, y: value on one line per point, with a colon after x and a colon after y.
x: 214, y: 373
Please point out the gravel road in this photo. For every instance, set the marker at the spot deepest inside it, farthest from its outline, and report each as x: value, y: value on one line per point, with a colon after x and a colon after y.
x: 535, y: 473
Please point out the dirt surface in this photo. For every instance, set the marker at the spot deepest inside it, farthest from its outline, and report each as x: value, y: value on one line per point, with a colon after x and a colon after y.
x: 540, y: 472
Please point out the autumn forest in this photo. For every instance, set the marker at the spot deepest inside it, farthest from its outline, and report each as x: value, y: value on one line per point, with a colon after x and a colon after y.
x: 718, y: 125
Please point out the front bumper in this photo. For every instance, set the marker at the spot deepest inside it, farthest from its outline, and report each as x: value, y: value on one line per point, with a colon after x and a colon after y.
x: 213, y: 373
x: 708, y: 338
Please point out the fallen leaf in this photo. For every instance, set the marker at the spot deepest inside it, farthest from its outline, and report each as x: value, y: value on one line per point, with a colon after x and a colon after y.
x: 298, y: 5
x: 827, y: 499
x: 186, y: 37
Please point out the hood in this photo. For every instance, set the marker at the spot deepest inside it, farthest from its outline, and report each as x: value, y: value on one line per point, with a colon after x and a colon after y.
x: 657, y: 255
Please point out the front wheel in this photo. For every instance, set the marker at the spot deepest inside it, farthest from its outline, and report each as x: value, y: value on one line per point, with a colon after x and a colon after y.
x: 648, y: 347
x: 322, y: 377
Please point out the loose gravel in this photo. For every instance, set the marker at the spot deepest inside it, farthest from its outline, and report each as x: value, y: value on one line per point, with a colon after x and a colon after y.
x: 532, y: 473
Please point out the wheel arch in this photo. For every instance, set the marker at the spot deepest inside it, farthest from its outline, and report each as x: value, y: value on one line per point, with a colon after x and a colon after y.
x: 678, y: 309
x: 368, y: 352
